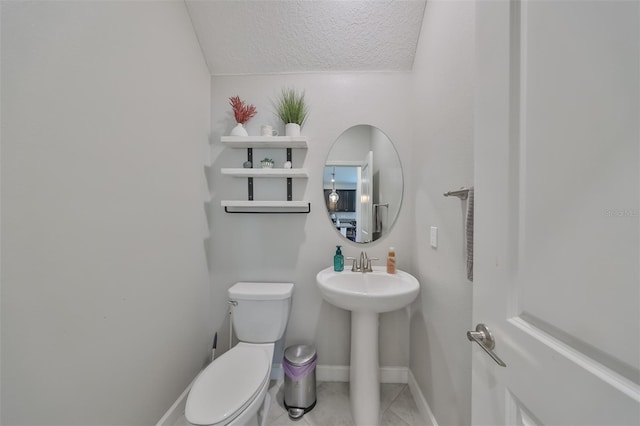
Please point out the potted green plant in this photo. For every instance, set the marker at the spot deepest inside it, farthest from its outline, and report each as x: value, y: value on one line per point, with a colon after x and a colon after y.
x: 292, y: 110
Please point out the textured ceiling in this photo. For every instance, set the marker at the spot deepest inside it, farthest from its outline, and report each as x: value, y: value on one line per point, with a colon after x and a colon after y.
x: 267, y: 36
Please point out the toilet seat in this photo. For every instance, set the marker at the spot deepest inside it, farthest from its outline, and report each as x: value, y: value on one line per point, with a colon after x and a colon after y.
x: 225, y: 388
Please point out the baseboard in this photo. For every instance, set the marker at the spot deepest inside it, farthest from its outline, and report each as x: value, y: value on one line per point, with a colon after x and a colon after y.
x: 332, y: 373
x: 176, y: 410
x: 340, y: 373
x: 277, y: 372
x: 421, y: 402
x: 394, y: 374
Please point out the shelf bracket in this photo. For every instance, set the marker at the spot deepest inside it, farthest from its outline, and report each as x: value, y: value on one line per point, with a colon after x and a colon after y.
x: 289, y: 180
x: 250, y: 180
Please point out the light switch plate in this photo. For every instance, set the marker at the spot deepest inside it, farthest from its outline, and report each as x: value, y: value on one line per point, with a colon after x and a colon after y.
x: 434, y: 236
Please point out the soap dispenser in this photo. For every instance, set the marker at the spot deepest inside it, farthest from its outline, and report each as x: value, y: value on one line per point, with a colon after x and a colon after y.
x: 338, y: 260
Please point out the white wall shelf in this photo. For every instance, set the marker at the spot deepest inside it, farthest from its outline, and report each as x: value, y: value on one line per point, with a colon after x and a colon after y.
x: 264, y: 141
x: 237, y: 206
x: 266, y: 173
x: 267, y: 142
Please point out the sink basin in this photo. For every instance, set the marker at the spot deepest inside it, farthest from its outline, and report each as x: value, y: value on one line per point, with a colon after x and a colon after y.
x: 374, y: 292
x: 366, y: 296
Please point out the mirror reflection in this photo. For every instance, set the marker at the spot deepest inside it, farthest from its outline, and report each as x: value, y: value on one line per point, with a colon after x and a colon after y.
x: 363, y: 184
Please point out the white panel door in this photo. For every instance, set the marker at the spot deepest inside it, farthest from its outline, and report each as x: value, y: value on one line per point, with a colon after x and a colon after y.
x: 557, y: 212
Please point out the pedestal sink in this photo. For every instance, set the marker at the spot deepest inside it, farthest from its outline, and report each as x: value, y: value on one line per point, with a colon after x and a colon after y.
x: 366, y: 295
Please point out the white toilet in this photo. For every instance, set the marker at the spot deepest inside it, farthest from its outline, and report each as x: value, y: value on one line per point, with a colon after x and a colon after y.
x: 232, y: 389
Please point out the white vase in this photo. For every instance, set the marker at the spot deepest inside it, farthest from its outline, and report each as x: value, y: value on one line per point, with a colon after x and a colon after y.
x: 239, y: 130
x: 292, y: 129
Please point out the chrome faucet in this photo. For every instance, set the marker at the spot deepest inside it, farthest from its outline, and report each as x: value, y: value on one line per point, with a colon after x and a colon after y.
x: 364, y: 265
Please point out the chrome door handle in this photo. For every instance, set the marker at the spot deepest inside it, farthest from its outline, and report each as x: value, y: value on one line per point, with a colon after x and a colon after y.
x: 484, y: 338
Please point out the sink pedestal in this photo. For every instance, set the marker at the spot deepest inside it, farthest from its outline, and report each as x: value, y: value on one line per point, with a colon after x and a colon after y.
x: 363, y: 373
x: 366, y: 295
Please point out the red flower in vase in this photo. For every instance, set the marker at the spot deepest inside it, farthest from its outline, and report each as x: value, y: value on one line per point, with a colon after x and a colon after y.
x: 241, y: 111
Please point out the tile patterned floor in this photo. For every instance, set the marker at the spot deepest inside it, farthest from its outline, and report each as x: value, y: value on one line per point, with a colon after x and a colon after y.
x: 332, y: 409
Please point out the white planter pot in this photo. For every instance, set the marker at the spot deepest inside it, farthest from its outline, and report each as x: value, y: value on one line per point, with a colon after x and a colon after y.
x: 239, y: 130
x: 292, y: 129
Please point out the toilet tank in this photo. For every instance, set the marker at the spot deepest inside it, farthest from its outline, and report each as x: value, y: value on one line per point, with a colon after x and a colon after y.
x: 260, y: 310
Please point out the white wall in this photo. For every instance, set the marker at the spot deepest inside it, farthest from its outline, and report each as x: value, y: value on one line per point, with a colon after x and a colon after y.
x: 352, y: 145
x: 295, y: 247
x: 443, y: 156
x: 105, y: 289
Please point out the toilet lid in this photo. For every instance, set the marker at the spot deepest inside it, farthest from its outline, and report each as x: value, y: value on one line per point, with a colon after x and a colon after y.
x: 228, y: 384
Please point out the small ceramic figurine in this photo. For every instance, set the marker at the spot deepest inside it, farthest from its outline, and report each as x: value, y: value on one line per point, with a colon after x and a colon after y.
x: 287, y: 165
x: 247, y: 165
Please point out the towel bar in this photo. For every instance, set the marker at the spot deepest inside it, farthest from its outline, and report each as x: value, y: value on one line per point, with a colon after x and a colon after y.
x: 461, y: 193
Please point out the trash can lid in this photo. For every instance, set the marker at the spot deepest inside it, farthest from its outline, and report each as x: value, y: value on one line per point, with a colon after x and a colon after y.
x: 300, y: 355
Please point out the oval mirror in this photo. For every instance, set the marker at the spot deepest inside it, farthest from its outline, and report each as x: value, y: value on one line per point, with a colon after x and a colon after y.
x: 363, y: 184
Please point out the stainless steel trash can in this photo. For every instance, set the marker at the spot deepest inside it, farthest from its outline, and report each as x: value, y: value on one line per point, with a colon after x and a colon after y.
x: 299, y: 379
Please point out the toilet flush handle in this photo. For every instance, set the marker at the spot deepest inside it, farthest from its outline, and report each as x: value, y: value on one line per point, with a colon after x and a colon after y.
x: 232, y: 302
